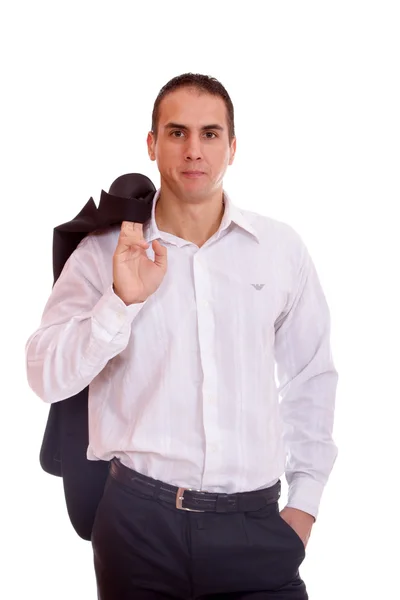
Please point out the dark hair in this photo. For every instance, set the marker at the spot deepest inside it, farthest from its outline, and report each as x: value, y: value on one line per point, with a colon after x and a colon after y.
x: 203, y: 83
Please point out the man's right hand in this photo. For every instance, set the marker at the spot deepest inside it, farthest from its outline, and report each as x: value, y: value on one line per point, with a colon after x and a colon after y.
x: 135, y: 276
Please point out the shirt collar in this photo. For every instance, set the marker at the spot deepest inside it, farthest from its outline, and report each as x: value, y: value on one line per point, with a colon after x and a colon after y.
x: 232, y: 214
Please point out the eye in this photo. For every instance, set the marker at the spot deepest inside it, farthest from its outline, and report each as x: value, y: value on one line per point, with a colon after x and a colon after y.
x: 177, y: 131
x: 211, y: 133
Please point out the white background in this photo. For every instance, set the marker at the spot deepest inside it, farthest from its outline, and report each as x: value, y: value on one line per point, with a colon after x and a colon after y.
x: 315, y: 87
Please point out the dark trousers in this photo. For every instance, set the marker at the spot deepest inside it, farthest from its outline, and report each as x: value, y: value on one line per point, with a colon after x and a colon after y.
x: 146, y: 548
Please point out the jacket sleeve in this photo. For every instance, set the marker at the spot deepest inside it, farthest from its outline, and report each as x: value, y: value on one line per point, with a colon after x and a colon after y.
x: 83, y: 326
x: 307, y: 387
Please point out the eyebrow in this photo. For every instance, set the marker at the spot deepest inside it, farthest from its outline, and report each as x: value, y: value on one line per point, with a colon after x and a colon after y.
x: 184, y: 127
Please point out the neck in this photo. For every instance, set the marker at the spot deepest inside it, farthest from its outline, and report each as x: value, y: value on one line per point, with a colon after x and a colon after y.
x: 192, y: 220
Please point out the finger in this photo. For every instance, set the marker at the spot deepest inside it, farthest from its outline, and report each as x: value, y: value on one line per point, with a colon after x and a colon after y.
x: 160, y: 254
x: 121, y: 249
x: 131, y: 231
x: 132, y: 226
x: 131, y: 236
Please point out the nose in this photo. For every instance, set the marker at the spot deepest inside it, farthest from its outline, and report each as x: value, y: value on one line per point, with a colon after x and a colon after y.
x: 193, y: 149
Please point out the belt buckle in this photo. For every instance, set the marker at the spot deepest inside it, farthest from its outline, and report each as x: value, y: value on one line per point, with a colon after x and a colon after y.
x: 180, y: 497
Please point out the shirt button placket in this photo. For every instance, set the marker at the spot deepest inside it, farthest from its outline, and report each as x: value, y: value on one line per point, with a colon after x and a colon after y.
x: 206, y: 331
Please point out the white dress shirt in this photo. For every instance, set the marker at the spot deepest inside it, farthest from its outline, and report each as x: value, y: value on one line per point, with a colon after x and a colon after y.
x: 222, y: 380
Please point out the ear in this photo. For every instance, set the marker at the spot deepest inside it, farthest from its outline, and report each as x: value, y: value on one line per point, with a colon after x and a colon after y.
x: 232, y: 151
x: 151, y: 145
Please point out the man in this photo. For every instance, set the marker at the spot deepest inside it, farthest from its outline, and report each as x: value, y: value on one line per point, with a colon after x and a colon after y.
x: 181, y: 328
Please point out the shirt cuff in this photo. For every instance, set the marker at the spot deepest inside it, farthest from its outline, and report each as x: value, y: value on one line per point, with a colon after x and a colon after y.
x: 305, y: 494
x: 112, y: 315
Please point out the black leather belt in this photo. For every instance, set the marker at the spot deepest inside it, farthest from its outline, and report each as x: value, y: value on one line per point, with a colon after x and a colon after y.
x: 194, y: 500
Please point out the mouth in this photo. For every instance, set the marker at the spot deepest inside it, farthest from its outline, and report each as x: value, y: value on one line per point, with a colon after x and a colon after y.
x: 193, y: 174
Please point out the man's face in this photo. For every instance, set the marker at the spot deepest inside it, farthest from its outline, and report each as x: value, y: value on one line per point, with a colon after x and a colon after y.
x: 192, y: 136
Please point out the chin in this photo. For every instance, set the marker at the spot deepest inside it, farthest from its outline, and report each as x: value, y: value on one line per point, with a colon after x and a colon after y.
x: 191, y: 188
x: 196, y: 191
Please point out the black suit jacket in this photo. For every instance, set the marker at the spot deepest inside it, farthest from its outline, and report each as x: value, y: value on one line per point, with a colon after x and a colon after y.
x: 66, y: 438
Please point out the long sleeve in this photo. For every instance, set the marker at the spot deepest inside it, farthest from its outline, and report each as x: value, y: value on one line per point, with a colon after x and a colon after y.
x: 82, y: 328
x: 307, y: 387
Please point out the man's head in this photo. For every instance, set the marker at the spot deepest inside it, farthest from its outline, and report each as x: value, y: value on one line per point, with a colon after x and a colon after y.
x: 192, y: 130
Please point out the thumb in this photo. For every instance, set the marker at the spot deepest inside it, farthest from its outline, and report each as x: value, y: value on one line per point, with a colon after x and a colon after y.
x: 160, y: 255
